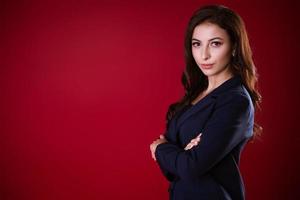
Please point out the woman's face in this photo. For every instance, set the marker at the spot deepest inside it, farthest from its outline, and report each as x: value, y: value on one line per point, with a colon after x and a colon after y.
x: 211, y: 49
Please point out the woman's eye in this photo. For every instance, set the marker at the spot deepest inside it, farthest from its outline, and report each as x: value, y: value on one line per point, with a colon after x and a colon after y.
x: 196, y: 44
x: 216, y: 44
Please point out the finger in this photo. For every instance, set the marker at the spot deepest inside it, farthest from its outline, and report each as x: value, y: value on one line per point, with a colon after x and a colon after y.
x: 193, y: 145
x: 161, y: 137
x: 188, y: 147
x: 195, y: 140
x: 152, y: 151
x: 153, y: 156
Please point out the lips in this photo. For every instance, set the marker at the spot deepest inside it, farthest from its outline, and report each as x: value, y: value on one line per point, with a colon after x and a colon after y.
x: 206, y: 66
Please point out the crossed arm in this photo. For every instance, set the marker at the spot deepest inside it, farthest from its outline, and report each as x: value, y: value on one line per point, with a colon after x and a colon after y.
x: 225, y: 130
x: 162, y: 139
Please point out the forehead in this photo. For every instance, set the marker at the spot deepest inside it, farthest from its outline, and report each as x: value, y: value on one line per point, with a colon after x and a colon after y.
x: 206, y: 31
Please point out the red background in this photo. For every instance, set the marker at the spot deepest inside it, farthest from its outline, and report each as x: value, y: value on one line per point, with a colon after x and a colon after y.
x: 85, y: 86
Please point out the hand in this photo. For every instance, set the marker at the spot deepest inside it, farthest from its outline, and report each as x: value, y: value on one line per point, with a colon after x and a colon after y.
x: 155, y: 144
x: 193, y: 142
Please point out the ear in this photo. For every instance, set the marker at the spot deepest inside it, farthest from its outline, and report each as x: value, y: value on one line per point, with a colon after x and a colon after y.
x: 233, y: 53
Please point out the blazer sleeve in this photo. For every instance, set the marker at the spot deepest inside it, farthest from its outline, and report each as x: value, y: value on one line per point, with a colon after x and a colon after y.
x: 224, y: 130
x: 167, y: 174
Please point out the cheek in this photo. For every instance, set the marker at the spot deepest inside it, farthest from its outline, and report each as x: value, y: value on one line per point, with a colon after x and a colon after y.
x: 222, y: 55
x: 195, y: 54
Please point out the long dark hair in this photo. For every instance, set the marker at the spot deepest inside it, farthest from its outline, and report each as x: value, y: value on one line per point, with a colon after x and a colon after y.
x: 194, y: 81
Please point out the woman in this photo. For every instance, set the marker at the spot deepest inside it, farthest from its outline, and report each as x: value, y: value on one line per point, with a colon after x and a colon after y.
x: 209, y: 127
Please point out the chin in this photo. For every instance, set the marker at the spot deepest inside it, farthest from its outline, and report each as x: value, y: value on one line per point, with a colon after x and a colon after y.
x: 213, y: 71
x: 209, y: 72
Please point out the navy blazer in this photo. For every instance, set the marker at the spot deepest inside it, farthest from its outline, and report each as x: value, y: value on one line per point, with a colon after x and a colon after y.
x: 209, y: 170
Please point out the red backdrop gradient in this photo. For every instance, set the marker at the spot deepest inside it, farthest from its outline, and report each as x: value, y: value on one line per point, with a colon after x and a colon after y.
x: 85, y: 86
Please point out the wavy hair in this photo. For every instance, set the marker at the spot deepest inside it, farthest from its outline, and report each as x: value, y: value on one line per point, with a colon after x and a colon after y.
x: 241, y: 63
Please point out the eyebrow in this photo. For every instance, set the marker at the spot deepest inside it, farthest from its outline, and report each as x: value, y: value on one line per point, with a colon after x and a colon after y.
x: 209, y: 39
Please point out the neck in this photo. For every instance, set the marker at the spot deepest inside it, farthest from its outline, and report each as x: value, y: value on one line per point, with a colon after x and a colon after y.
x: 216, y: 80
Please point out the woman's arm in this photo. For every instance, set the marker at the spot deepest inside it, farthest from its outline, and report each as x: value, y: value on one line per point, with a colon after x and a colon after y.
x: 226, y: 128
x: 169, y: 176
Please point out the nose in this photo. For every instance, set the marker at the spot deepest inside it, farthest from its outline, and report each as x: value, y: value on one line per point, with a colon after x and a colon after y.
x: 205, y: 53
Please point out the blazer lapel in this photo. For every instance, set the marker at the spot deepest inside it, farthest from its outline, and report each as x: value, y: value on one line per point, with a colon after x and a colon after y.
x: 208, y: 101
